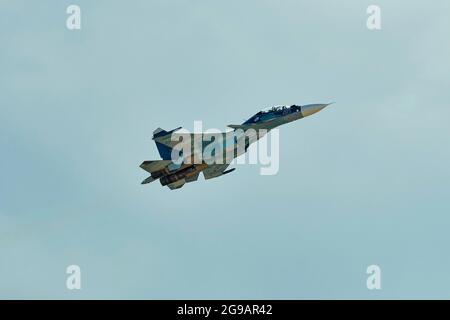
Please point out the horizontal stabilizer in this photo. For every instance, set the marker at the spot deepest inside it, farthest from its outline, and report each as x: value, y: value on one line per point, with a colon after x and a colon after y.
x: 155, y: 165
x: 148, y: 180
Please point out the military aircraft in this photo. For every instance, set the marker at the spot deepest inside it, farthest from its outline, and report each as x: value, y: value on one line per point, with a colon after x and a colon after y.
x: 174, y: 173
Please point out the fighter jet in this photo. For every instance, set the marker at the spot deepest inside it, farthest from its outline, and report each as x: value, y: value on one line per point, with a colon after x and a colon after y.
x: 175, y: 173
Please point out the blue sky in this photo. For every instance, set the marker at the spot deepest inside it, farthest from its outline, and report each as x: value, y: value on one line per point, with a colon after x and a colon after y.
x: 363, y: 182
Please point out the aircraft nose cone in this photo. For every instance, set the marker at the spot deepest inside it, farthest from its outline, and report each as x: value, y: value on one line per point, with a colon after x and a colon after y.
x: 313, y: 108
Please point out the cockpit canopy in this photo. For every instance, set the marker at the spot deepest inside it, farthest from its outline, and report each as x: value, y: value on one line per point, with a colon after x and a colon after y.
x: 273, y: 112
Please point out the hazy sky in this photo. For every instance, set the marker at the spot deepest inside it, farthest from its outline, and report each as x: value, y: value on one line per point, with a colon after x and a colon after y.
x: 363, y: 182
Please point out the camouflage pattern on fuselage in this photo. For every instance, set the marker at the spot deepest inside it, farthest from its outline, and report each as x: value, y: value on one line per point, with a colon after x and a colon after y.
x: 231, y: 144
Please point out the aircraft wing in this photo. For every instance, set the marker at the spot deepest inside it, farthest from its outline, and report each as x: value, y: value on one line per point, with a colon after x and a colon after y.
x: 239, y: 126
x: 216, y: 170
x: 192, y: 178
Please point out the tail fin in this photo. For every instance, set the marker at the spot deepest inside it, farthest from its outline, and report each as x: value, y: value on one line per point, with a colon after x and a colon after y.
x: 164, y: 151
